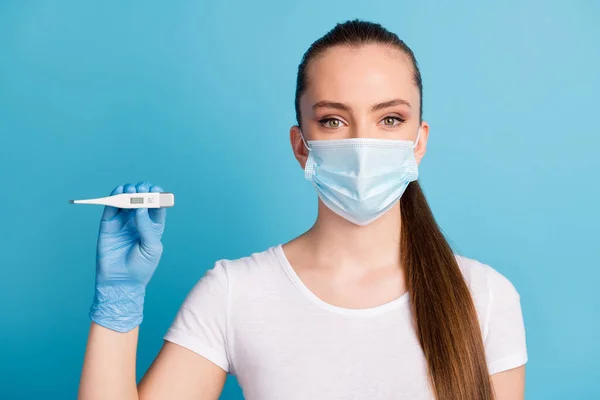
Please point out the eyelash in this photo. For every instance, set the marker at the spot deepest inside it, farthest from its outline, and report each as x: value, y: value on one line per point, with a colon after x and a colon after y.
x: 325, y: 120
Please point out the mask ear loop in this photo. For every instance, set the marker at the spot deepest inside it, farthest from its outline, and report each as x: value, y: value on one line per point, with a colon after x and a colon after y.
x: 308, y: 167
x: 417, y: 139
x: 304, y: 141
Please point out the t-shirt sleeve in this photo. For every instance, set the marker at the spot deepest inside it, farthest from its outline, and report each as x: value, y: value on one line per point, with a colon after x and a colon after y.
x: 201, y: 322
x: 504, y: 341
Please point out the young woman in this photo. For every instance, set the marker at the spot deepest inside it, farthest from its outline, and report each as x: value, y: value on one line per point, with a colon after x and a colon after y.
x: 370, y: 303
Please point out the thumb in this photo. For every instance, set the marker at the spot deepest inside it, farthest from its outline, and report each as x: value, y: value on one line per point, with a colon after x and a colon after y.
x: 144, y: 226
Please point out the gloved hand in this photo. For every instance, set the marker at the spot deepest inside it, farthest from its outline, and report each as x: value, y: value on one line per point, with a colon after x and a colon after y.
x: 128, y: 251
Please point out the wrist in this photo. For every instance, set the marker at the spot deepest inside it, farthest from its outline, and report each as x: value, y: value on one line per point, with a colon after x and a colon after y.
x: 118, y: 306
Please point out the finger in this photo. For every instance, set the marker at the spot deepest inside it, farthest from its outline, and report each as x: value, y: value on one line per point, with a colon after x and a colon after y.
x: 142, y: 218
x: 144, y: 226
x: 158, y: 215
x: 126, y: 212
x: 109, y: 211
x: 143, y: 187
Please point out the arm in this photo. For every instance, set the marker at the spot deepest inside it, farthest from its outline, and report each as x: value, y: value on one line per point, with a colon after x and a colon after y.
x: 128, y: 252
x: 176, y: 373
x: 509, y: 384
x: 193, y: 362
x: 109, y: 365
x: 179, y: 373
x: 506, y: 342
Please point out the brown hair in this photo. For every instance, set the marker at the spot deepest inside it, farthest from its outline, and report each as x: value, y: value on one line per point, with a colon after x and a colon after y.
x: 445, y: 318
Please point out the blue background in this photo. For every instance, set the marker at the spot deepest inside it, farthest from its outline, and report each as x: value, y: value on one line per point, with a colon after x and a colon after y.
x: 198, y: 97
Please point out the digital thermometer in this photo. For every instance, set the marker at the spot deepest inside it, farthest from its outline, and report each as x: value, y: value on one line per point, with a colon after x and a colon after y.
x: 133, y: 200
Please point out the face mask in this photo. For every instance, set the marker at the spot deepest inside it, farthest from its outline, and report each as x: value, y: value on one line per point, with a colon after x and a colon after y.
x: 360, y: 179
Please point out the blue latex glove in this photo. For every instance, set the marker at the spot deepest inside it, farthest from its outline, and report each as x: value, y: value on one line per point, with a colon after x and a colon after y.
x: 127, y: 254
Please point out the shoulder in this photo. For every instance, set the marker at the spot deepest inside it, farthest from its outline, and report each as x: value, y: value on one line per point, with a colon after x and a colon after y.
x: 482, y: 278
x: 245, y: 272
x: 227, y: 278
x: 498, y: 306
x: 252, y: 265
x: 495, y: 297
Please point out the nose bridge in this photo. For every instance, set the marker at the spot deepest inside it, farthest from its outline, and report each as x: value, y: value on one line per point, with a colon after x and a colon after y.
x: 362, y: 127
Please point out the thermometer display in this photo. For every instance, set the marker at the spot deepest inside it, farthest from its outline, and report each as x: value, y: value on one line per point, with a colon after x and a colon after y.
x: 137, y: 200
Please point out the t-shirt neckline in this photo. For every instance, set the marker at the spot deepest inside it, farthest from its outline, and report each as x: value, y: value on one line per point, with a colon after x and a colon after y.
x: 356, y: 312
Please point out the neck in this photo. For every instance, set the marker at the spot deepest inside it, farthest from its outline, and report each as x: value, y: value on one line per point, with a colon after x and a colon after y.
x: 352, y: 246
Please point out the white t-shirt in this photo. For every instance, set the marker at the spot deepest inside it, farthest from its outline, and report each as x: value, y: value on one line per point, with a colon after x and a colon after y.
x: 254, y: 318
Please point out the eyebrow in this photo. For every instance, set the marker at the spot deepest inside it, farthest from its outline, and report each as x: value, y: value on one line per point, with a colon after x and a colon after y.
x: 391, y: 103
x: 345, y: 107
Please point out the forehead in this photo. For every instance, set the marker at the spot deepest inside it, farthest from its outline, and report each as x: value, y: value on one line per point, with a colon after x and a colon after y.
x: 360, y: 76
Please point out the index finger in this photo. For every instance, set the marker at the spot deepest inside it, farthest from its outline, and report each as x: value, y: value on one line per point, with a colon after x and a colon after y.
x: 109, y: 211
x: 158, y: 215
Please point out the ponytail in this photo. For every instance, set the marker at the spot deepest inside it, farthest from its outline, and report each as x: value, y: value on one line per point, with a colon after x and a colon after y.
x: 444, y: 314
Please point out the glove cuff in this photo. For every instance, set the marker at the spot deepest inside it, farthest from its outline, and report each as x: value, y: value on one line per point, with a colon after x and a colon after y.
x: 118, y: 307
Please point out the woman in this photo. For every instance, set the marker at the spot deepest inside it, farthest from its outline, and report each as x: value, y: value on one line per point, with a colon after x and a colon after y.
x: 370, y: 303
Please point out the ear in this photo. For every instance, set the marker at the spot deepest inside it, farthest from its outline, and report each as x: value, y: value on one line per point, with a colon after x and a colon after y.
x: 422, y: 144
x: 300, y: 151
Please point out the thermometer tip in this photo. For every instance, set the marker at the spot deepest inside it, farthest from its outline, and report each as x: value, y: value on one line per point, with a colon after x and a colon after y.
x: 71, y: 201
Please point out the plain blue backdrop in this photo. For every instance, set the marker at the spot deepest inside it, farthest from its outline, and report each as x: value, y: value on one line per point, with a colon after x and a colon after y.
x: 197, y: 97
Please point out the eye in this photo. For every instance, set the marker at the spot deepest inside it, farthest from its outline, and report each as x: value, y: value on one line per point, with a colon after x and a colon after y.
x: 389, y: 120
x: 331, y: 123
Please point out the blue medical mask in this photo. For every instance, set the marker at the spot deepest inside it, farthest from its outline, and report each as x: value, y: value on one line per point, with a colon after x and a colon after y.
x: 360, y: 179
